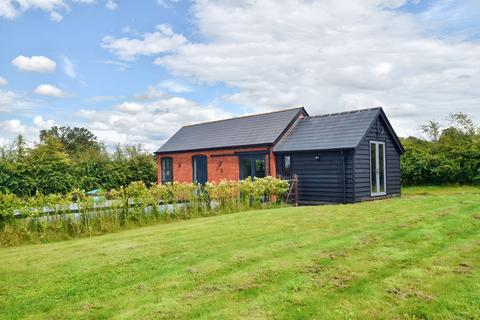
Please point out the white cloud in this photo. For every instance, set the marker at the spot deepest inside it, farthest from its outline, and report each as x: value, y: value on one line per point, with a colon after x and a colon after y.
x: 69, y: 67
x: 11, y: 9
x: 41, y: 123
x: 330, y: 56
x: 10, y: 128
x: 152, y: 93
x: 34, y: 64
x: 3, y: 81
x: 49, y: 90
x: 167, y: 3
x: 7, y: 100
x: 7, y: 10
x: 162, y: 40
x: 11, y: 101
x: 130, y: 30
x: 175, y: 86
x: 121, y: 66
x: 55, y: 16
x: 149, y: 118
x: 130, y: 107
x: 459, y: 18
x: 111, y: 5
x: 101, y: 98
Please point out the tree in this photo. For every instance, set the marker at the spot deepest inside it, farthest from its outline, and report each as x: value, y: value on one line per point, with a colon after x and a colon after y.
x: 463, y: 122
x: 432, y: 129
x: 451, y: 157
x: 49, y: 165
x: 76, y: 140
x: 20, y: 146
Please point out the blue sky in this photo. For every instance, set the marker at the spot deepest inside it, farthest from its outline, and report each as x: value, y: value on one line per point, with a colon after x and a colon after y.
x: 135, y: 71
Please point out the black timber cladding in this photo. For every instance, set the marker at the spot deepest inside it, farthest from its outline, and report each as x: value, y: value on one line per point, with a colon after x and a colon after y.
x: 331, y: 155
x: 323, y: 176
x: 259, y: 129
x: 332, y: 131
x: 379, y: 131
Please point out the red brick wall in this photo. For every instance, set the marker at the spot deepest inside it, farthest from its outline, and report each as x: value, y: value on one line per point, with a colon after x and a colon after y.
x: 218, y: 167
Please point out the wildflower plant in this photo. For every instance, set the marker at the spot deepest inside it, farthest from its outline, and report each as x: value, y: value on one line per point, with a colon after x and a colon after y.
x: 41, y: 218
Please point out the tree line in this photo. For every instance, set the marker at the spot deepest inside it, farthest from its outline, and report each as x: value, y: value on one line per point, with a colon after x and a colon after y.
x: 66, y: 158
x: 450, y: 153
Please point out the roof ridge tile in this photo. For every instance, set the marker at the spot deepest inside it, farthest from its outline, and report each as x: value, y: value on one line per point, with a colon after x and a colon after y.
x: 344, y: 112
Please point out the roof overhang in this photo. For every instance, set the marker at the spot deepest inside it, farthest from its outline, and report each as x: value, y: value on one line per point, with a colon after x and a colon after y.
x: 315, y: 150
x: 263, y: 145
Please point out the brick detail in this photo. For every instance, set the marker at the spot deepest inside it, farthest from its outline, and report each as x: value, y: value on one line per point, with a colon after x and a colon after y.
x: 224, y: 167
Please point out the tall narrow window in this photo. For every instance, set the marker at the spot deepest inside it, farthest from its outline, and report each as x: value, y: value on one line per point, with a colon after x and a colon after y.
x: 378, y: 178
x: 167, y: 170
x: 245, y: 168
x: 287, y: 167
x: 260, y: 168
x: 199, y: 166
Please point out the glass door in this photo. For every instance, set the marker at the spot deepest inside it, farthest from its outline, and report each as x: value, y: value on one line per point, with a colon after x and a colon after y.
x: 252, y: 166
x: 378, y: 177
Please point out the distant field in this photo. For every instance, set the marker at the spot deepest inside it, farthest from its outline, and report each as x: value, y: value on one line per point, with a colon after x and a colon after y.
x: 415, y: 257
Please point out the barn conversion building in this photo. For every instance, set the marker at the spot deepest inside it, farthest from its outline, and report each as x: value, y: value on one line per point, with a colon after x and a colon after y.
x: 340, y: 157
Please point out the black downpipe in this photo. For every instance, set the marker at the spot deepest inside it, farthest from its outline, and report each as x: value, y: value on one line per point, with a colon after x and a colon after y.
x: 344, y: 179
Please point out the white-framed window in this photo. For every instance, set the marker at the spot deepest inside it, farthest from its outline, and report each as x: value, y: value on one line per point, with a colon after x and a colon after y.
x: 378, y: 173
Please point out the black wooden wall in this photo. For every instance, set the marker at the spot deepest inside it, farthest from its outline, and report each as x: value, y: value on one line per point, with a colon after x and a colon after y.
x: 320, y: 176
x: 377, y: 132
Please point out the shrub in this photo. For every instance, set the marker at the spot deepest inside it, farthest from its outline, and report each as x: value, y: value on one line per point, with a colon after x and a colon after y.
x: 50, y: 217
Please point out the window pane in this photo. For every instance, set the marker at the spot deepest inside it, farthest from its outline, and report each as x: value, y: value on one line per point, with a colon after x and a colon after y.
x: 200, y: 169
x: 259, y: 168
x: 245, y: 168
x: 381, y: 167
x: 167, y: 170
x: 373, y: 166
x: 195, y: 170
x: 287, y: 170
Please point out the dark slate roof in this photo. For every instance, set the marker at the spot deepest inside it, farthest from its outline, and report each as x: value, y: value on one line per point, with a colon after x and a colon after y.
x: 342, y: 130
x: 258, y: 129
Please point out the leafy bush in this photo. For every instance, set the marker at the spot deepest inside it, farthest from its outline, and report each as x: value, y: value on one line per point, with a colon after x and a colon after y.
x: 451, y: 156
x: 69, y: 158
x: 50, y: 217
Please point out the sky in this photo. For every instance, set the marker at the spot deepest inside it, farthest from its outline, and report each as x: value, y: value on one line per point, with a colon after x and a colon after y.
x: 134, y: 72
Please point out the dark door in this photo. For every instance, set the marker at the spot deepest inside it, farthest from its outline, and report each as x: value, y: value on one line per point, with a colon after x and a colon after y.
x: 200, y: 174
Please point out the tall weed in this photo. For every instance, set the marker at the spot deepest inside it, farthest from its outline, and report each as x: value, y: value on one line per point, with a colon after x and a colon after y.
x: 43, y: 218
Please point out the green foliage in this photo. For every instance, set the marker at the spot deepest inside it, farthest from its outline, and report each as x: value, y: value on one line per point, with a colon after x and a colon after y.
x: 431, y: 129
x: 75, y: 140
x: 69, y: 158
x: 450, y: 157
x: 48, y: 217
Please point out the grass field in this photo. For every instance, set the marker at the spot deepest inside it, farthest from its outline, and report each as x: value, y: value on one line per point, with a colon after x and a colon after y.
x: 415, y: 257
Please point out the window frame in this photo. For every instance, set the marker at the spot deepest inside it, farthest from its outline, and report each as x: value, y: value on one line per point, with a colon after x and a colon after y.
x: 163, y: 165
x: 284, y: 167
x: 377, y: 193
x: 195, y: 157
x: 252, y: 158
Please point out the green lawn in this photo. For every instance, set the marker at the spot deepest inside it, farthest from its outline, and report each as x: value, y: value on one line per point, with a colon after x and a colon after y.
x: 415, y: 257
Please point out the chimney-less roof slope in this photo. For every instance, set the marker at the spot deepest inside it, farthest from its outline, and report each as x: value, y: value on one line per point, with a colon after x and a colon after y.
x: 258, y: 129
x: 342, y: 130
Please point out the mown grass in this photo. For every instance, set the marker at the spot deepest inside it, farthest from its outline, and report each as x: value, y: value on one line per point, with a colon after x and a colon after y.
x: 415, y: 257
